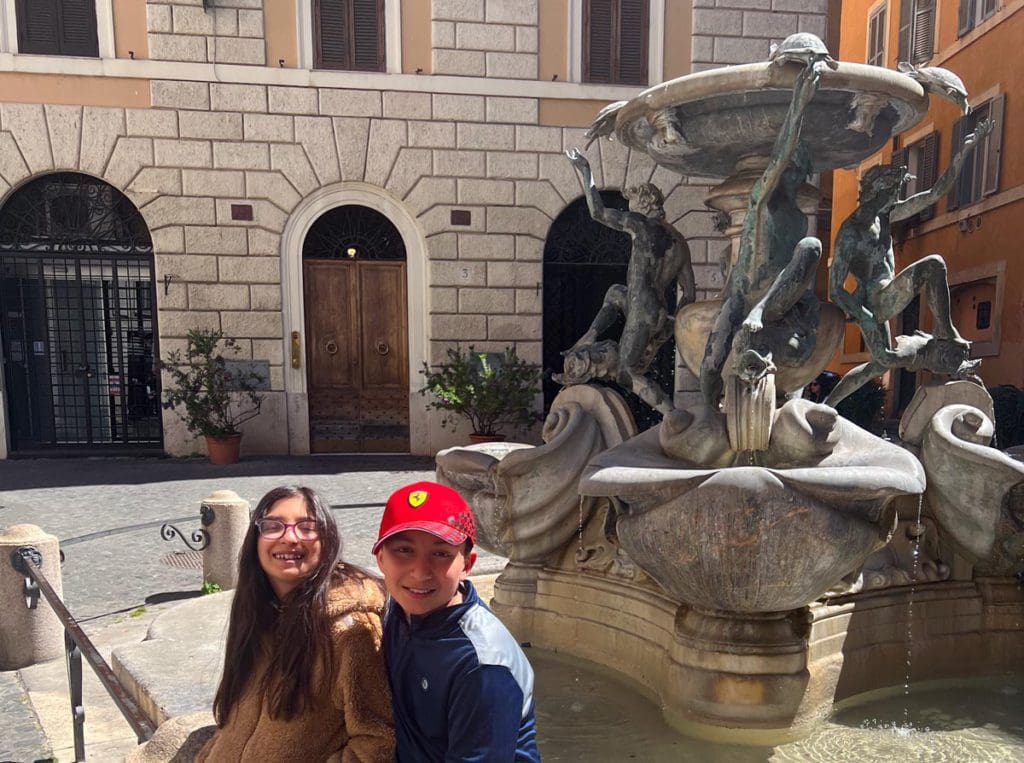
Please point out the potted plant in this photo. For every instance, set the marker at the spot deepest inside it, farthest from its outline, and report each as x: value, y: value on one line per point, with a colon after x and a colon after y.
x: 212, y: 398
x: 493, y: 391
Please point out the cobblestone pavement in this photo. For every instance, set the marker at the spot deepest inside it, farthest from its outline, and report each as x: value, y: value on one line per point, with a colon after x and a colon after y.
x: 107, y: 515
x: 21, y: 739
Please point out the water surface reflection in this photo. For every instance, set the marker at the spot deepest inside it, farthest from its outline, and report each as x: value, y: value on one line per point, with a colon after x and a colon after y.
x: 587, y: 713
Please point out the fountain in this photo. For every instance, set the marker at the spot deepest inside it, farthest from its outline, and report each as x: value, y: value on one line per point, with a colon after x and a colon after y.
x: 748, y: 560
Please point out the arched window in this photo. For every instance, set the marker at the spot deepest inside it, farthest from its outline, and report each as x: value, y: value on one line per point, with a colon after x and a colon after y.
x: 353, y: 232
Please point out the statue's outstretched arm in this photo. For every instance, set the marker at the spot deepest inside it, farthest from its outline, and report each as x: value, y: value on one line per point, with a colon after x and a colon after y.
x: 613, y: 218
x: 789, y: 135
x: 921, y: 201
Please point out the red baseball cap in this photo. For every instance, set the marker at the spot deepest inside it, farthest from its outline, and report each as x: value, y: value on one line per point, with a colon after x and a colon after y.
x: 430, y: 507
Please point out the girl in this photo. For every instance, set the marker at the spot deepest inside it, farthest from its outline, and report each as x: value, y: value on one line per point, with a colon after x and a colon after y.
x: 303, y: 675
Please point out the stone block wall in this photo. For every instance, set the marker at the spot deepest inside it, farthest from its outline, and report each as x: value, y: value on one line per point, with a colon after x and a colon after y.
x: 205, y: 146
x: 742, y: 31
x: 485, y: 38
x: 229, y: 32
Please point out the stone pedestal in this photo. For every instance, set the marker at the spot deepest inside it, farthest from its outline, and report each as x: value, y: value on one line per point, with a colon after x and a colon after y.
x: 28, y: 636
x: 225, y: 516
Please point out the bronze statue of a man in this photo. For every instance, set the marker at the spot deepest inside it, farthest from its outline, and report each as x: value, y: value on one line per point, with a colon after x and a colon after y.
x: 776, y: 262
x: 660, y: 259
x: 864, y: 250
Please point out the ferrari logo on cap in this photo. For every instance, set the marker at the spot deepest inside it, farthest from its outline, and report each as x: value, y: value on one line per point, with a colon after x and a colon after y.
x: 417, y: 497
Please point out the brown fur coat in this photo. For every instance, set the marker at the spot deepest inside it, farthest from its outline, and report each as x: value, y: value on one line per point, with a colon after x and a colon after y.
x: 351, y: 724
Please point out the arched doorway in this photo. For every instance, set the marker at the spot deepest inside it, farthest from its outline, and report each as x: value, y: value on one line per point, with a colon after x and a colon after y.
x: 582, y: 259
x: 357, y: 371
x: 77, y: 319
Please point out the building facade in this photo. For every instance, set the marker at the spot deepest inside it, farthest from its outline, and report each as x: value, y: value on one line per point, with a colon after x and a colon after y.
x: 978, y: 226
x: 346, y: 187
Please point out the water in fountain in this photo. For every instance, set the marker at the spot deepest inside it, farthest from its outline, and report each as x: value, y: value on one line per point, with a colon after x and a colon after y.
x: 587, y: 713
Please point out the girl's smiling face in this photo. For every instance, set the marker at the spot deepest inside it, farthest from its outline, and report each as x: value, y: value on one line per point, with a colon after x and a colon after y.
x: 287, y: 561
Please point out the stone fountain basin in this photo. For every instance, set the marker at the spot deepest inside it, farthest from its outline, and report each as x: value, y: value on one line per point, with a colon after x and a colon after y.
x: 754, y: 539
x: 724, y: 115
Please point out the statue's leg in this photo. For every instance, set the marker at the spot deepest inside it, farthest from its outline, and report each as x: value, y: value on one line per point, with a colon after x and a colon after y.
x: 854, y: 379
x: 717, y: 349
x: 649, y: 392
x: 614, y: 305
x: 795, y: 279
x: 927, y: 274
x: 878, y: 339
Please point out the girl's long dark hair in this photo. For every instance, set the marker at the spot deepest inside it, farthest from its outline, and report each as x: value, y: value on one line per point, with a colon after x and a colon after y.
x: 295, y: 634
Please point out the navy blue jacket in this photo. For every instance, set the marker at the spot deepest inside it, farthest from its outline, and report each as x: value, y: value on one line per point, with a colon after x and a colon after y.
x: 462, y: 688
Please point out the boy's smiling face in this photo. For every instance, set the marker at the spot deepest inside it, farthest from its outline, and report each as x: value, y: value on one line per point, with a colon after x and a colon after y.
x: 422, y: 572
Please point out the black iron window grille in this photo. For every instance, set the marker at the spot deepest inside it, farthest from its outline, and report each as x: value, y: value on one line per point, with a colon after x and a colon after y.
x: 353, y: 232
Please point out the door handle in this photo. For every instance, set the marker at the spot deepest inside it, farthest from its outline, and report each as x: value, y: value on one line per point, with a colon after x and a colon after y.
x: 331, y: 347
x: 296, y: 350
x: 382, y: 348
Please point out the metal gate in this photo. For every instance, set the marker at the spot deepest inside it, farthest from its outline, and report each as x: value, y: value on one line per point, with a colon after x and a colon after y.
x: 76, y: 319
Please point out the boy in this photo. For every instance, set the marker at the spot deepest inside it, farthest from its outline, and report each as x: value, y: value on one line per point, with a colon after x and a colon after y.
x: 462, y: 688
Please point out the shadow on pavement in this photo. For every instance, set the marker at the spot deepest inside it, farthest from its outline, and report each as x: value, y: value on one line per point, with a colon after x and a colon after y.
x: 25, y: 474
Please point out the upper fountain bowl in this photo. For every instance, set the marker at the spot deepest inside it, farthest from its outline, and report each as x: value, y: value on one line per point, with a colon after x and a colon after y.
x: 705, y: 123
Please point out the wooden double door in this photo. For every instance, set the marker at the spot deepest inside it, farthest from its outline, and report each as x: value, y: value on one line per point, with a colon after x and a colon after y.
x: 357, y: 355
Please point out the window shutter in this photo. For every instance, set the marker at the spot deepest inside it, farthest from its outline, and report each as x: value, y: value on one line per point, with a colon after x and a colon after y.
x: 965, y: 21
x: 901, y: 158
x: 368, y: 35
x: 994, y: 148
x: 906, y: 29
x: 954, y: 196
x: 597, y: 48
x: 78, y: 28
x: 927, y: 170
x: 924, y: 31
x: 877, y: 28
x: 38, y: 29
x: 633, y: 36
x: 330, y: 21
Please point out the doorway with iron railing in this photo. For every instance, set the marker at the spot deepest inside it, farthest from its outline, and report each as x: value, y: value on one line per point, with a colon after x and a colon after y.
x: 77, y: 320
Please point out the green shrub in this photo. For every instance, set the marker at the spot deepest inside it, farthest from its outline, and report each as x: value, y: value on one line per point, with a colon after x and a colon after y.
x: 490, y: 390
x: 214, y: 399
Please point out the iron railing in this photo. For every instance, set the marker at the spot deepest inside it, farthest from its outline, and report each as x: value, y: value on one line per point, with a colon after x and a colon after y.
x: 28, y: 561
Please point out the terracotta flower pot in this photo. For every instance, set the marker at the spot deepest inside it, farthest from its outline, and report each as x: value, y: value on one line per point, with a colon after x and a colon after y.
x: 476, y: 439
x: 223, y: 450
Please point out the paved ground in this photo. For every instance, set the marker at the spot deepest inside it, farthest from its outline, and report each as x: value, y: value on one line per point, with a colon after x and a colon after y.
x: 21, y: 736
x: 107, y: 514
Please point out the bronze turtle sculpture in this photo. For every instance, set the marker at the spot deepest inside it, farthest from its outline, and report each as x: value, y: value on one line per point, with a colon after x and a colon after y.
x: 941, y: 82
x: 803, y: 48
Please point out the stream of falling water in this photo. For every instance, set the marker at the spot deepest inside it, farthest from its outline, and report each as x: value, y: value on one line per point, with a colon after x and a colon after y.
x: 579, y: 531
x: 917, y: 531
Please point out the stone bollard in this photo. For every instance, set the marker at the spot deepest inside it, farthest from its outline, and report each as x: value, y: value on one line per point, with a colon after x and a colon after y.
x: 28, y: 636
x: 225, y: 516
